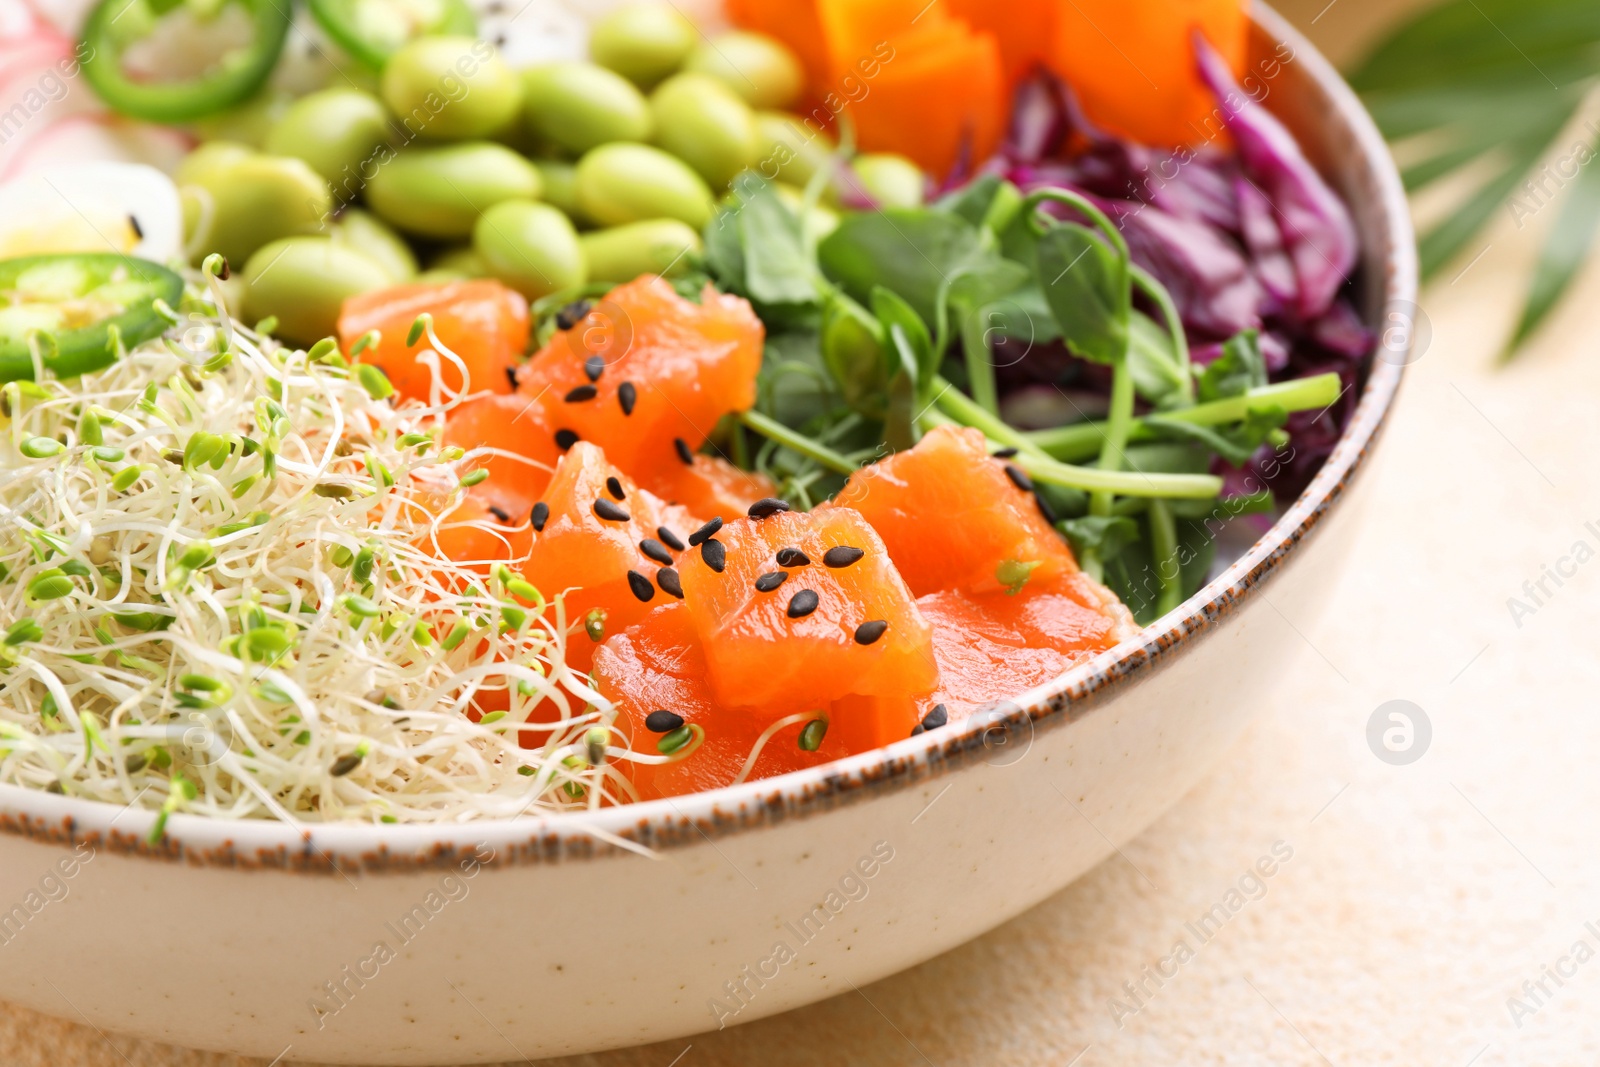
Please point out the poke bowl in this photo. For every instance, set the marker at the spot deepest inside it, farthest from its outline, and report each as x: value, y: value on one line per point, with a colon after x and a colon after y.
x: 170, y: 868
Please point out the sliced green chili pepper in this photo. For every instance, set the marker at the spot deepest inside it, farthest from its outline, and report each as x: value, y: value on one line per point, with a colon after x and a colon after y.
x: 373, y: 30
x: 116, y: 25
x: 76, y: 309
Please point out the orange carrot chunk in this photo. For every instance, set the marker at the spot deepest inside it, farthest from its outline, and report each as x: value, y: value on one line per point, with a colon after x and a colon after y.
x: 1132, y: 64
x: 939, y: 94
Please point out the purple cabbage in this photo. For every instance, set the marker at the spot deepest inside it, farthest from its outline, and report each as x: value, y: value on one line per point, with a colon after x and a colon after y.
x: 1318, y: 233
x: 1242, y: 237
x: 1209, y: 278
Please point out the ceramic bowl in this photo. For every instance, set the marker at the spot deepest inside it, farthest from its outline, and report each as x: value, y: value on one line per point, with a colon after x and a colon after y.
x: 537, y: 937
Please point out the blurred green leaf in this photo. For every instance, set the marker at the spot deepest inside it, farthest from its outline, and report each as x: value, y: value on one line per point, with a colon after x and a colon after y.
x: 1490, y: 84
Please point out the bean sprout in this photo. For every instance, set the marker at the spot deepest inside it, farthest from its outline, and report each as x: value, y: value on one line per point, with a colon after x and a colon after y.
x: 220, y: 595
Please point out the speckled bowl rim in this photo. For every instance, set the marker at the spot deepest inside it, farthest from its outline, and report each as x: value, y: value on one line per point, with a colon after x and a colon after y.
x: 688, y: 820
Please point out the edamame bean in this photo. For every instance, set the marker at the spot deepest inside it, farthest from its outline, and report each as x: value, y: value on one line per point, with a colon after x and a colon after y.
x: 238, y: 200
x: 621, y: 254
x: 459, y: 262
x: 560, y: 181
x: 761, y: 70
x: 623, y: 183
x: 531, y: 247
x: 365, y: 233
x: 302, y: 281
x: 334, y: 131
x: 644, y: 42
x: 889, y: 180
x: 205, y: 163
x: 793, y: 149
x: 440, y: 192
x: 579, y: 106
x: 451, y: 88
x: 821, y: 220
x: 699, y: 120
x: 248, y: 123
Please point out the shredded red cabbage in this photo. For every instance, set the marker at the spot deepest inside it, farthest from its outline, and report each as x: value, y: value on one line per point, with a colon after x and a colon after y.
x: 1244, y: 237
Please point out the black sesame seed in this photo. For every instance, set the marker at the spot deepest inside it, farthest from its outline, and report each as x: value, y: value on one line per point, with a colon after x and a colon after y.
x: 662, y: 722
x: 869, y: 632
x: 572, y: 314
x: 500, y: 513
x: 842, y: 556
x: 1045, y: 509
x: 1019, y: 477
x: 793, y: 557
x: 580, y: 394
x: 657, y: 551
x: 917, y: 729
x: 715, y: 555
x: 670, y: 539
x: 609, y: 511
x: 936, y: 718
x: 803, y: 603
x: 511, y: 378
x: 767, y: 507
x: 138, y: 231
x: 565, y: 439
x: 685, y: 453
x: 541, y: 515
x: 1005, y: 453
x: 706, y: 532
x: 641, y: 586
x: 627, y: 396
x: 594, y: 366
x: 667, y: 578
x: 614, y: 487
x: 771, y: 580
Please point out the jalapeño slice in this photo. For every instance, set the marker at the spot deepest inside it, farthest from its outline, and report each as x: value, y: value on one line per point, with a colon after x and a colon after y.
x: 373, y: 30
x: 71, y: 305
x: 254, y: 33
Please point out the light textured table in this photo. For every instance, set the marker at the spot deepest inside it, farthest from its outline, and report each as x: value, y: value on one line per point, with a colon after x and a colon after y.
x: 1418, y: 899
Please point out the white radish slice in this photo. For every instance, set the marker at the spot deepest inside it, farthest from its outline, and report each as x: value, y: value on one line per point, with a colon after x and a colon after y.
x: 92, y: 207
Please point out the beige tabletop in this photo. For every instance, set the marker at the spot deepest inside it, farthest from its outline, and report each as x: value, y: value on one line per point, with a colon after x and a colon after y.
x: 1416, y: 900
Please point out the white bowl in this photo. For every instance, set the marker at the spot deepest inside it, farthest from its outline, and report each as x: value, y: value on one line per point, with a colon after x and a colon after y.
x: 394, y: 945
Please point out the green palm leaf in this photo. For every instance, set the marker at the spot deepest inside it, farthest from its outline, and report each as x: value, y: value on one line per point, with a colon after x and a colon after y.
x: 1489, y: 84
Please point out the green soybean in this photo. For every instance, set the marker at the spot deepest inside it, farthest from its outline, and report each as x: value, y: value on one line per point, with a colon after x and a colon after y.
x: 459, y: 262
x: 821, y: 220
x: 703, y: 123
x: 622, y: 253
x: 761, y: 69
x: 623, y: 183
x: 239, y: 200
x: 579, y: 106
x: 248, y: 123
x: 334, y: 131
x: 889, y: 180
x: 363, y: 232
x: 643, y: 42
x: 560, y: 181
x: 531, y: 247
x: 451, y: 88
x: 441, y: 191
x: 793, y: 149
x: 302, y: 281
